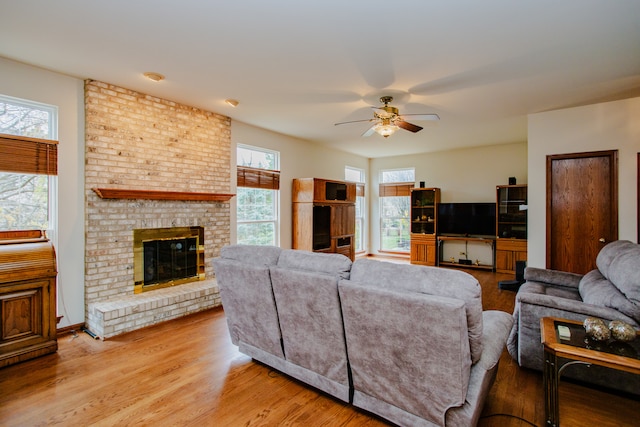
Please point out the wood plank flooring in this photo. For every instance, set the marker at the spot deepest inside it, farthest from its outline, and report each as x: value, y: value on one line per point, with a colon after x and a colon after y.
x: 186, y: 372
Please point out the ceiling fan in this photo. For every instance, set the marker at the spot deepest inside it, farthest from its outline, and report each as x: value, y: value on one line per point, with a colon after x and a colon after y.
x: 387, y: 120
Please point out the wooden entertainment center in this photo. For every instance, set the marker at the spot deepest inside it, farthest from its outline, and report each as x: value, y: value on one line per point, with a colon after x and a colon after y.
x: 507, y: 246
x: 324, y: 216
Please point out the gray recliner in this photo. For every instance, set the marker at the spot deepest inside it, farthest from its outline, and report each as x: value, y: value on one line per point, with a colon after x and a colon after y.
x: 610, y: 292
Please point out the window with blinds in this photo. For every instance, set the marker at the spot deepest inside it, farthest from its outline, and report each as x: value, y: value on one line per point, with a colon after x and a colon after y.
x: 257, y: 196
x: 28, y: 164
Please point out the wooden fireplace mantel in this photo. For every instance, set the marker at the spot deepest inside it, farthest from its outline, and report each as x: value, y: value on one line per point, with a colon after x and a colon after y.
x: 116, y: 193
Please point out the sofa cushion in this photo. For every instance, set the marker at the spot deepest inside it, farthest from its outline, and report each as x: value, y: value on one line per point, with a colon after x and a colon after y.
x: 431, y: 281
x: 333, y: 264
x: 624, y: 273
x: 610, y: 252
x: 597, y: 290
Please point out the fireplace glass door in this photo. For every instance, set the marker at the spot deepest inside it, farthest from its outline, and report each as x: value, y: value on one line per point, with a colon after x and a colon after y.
x: 166, y: 260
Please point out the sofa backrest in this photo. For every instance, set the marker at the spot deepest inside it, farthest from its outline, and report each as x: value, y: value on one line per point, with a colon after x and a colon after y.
x: 333, y: 264
x: 242, y: 273
x: 305, y: 287
x: 431, y: 281
x: 408, y: 349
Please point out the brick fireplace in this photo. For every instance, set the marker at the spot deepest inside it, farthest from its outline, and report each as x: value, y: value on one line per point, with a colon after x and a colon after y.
x: 148, y: 163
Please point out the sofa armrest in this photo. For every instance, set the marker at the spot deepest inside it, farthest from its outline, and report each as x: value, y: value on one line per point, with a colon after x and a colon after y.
x: 496, y: 327
x: 552, y: 277
x: 549, y: 305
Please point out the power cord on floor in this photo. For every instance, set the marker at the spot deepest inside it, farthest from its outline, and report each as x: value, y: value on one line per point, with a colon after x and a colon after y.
x: 510, y: 416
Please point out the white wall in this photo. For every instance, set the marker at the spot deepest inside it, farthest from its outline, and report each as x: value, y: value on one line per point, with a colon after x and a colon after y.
x: 605, y: 126
x: 298, y: 159
x: 67, y: 93
x: 464, y: 175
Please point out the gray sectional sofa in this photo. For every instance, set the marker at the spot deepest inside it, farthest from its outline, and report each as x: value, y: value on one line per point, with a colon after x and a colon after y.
x: 610, y: 292
x: 408, y: 343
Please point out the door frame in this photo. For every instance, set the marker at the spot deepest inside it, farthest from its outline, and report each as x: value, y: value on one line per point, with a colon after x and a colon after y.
x: 613, y: 157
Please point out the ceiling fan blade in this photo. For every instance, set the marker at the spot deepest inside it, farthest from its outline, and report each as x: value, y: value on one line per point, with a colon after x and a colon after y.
x: 353, y: 121
x: 369, y: 131
x: 408, y: 126
x: 422, y: 116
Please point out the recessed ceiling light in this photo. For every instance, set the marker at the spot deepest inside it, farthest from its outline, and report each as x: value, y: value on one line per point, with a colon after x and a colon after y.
x: 156, y: 77
x: 231, y: 102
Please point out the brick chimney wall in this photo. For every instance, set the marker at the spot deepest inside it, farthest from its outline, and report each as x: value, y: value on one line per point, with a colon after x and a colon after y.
x: 139, y: 142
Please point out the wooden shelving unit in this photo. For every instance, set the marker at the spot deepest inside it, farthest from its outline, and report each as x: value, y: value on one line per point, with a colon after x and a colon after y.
x: 511, y: 226
x: 424, y: 219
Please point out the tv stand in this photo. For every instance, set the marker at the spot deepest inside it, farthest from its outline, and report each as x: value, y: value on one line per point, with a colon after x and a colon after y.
x: 463, y: 258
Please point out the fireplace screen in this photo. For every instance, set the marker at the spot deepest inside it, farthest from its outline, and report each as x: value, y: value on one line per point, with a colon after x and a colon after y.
x: 167, y: 256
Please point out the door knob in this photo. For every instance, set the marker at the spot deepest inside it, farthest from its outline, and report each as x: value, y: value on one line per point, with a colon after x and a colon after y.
x: 601, y: 240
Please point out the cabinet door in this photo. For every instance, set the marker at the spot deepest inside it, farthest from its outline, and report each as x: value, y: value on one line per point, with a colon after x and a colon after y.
x: 423, y: 250
x: 508, y: 252
x: 343, y: 220
x: 504, y: 261
x: 27, y: 320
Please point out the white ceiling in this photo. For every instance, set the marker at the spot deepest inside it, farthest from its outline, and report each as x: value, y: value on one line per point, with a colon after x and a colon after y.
x: 297, y: 67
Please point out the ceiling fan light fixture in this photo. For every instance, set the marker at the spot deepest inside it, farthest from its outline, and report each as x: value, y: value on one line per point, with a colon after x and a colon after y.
x: 385, y: 129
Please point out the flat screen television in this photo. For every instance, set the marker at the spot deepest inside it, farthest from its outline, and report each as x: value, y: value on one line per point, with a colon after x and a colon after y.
x: 467, y: 219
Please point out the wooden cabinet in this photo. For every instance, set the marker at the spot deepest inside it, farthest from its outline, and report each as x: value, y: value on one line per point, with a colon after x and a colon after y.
x: 324, y: 216
x: 508, y: 252
x: 27, y: 297
x: 424, y: 249
x: 511, y: 226
x: 424, y: 218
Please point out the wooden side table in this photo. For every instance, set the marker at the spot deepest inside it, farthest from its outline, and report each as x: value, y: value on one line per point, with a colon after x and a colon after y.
x: 576, y: 350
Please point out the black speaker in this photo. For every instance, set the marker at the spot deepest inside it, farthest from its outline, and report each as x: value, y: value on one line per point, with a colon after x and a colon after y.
x: 520, y: 266
x: 514, y: 285
x: 512, y: 180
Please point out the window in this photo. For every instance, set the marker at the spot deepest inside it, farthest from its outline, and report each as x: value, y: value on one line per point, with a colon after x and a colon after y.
x: 28, y: 164
x: 395, y: 195
x: 257, y: 198
x: 357, y: 176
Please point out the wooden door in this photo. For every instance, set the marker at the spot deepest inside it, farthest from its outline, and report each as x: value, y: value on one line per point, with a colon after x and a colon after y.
x: 582, y: 208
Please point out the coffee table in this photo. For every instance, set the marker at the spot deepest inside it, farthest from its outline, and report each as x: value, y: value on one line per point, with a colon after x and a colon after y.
x: 560, y: 352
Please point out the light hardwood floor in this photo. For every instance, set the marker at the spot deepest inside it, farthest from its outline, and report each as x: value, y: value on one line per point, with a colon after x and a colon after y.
x: 186, y: 372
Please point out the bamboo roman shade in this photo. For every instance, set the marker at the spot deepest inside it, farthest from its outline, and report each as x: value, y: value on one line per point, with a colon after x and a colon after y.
x: 359, y: 190
x: 21, y: 154
x: 396, y: 189
x: 258, y: 178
